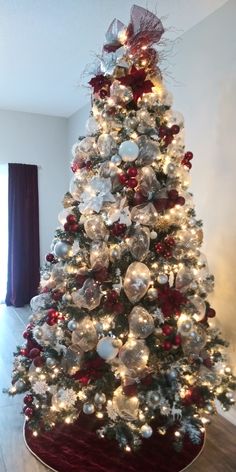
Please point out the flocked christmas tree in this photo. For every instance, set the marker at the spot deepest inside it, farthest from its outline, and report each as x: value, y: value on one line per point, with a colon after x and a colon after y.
x: 121, y: 328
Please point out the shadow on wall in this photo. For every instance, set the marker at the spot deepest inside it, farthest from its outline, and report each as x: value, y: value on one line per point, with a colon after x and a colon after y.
x: 223, y: 239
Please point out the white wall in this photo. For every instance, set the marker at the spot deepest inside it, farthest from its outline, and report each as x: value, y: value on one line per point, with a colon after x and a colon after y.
x: 42, y: 140
x: 205, y: 70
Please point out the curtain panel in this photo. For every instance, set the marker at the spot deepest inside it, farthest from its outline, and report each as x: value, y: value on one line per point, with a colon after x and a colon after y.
x: 23, y: 235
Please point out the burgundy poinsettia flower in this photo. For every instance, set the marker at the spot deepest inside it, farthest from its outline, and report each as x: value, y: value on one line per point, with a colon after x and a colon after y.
x: 101, y: 85
x: 137, y: 81
x: 170, y: 300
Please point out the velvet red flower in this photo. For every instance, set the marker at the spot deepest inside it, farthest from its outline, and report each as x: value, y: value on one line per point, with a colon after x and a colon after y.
x: 137, y: 81
x: 170, y: 300
x: 101, y: 85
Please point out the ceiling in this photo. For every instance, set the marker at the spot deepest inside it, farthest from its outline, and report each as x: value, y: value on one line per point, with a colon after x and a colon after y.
x: 46, y: 44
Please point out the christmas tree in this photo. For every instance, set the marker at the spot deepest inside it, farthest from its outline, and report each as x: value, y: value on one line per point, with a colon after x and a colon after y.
x: 122, y: 328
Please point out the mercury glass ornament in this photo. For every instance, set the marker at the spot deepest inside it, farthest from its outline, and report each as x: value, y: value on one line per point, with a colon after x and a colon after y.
x: 100, y: 398
x: 99, y: 254
x: 62, y: 249
x: 146, y: 431
x: 85, y: 335
x: 184, y: 278
x: 184, y: 325
x: 72, y: 358
x: 145, y: 214
x: 130, y: 123
x: 88, y: 296
x: 141, y: 323
x: 195, y: 341
x: 148, y: 151
x: 139, y: 243
x: 106, y: 349
x: 88, y: 408
x: 91, y: 125
x: 129, y: 151
x: 136, y: 282
x: 120, y: 93
x: 199, y: 307
x: 126, y: 407
x: 134, y: 354
x: 95, y: 228
x: 105, y: 144
x: 87, y: 144
x: 40, y: 301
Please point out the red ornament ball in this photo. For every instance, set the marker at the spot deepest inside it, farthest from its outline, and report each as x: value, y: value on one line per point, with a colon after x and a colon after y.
x: 38, y: 361
x: 181, y: 201
x: 50, y: 257
x: 29, y: 412
x: 27, y: 334
x: 34, y: 353
x: 167, y: 345
x: 28, y: 399
x: 167, y: 330
x: 177, y: 340
x: 175, y: 129
x: 71, y: 219
x: 159, y: 248
x: 211, y: 313
x: 188, y: 155
x: 132, y: 182
x: 132, y: 172
x: 123, y: 179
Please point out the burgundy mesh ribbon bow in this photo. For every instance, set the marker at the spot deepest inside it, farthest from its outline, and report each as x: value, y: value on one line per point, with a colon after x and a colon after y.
x: 144, y: 29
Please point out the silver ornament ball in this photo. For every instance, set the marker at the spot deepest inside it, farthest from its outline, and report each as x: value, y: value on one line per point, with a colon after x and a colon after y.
x: 72, y: 325
x: 146, y: 431
x: 152, y: 293
x: 100, y: 398
x: 19, y: 385
x: 162, y: 279
x: 88, y: 408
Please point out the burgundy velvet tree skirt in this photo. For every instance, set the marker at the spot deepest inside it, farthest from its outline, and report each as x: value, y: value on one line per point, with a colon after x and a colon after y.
x: 76, y: 448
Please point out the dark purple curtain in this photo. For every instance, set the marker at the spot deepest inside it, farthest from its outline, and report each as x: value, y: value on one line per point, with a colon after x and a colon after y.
x: 23, y: 236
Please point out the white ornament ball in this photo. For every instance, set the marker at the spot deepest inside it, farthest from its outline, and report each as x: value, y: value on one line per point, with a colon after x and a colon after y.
x: 162, y: 279
x: 146, y: 431
x: 105, y: 348
x: 153, y: 235
x: 129, y: 151
x: 88, y: 408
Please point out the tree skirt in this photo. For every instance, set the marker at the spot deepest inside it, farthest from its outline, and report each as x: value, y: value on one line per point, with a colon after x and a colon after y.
x: 77, y: 448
